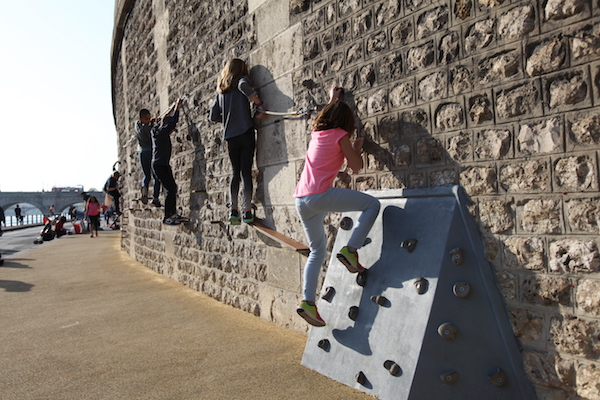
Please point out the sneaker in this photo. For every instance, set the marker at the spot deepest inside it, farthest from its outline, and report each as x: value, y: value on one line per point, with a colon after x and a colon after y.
x: 156, y: 203
x: 350, y: 260
x: 310, y: 314
x: 172, y: 220
x: 248, y: 217
x: 234, y: 217
x: 181, y: 218
x: 144, y: 198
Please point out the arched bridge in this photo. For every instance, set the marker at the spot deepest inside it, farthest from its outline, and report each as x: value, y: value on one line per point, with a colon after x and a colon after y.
x: 43, y: 200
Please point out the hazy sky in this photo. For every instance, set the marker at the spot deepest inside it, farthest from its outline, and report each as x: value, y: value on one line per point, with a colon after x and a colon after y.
x: 55, y: 94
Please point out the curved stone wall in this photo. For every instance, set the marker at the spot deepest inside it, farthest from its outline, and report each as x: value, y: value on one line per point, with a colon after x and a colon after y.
x: 498, y: 96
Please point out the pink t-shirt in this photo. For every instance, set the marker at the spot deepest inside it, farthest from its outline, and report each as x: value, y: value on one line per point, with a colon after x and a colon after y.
x: 93, y: 208
x: 324, y: 159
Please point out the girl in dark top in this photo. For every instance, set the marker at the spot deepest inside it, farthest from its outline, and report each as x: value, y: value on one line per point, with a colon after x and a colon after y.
x: 232, y: 108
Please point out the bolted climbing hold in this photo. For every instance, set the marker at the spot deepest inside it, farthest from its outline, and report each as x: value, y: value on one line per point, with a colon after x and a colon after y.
x: 392, y: 367
x: 380, y: 300
x: 461, y: 289
x: 361, y: 378
x: 498, y: 378
x: 346, y: 223
x: 361, y: 278
x: 457, y: 256
x: 447, y: 331
x: 323, y: 344
x: 409, y: 245
x: 329, y: 293
x: 353, y: 313
x: 449, y: 377
x: 421, y: 285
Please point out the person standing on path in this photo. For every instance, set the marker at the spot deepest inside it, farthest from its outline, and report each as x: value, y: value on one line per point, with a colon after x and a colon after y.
x: 92, y: 210
x: 19, y: 215
x: 232, y: 108
x: 329, y: 146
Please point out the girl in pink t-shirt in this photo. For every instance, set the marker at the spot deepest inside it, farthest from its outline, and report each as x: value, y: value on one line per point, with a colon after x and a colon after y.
x: 329, y: 146
x: 92, y: 210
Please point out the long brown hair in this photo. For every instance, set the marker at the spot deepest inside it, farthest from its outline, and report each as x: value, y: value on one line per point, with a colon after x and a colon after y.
x: 336, y: 114
x: 231, y: 74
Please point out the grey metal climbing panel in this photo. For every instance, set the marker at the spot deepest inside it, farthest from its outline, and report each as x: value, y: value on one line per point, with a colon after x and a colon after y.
x: 427, y: 320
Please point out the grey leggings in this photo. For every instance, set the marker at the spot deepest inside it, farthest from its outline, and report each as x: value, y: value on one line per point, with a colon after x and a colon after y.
x: 241, y: 155
x: 312, y: 210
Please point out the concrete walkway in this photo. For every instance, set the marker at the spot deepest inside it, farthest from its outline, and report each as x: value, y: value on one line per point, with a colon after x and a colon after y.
x: 79, y: 319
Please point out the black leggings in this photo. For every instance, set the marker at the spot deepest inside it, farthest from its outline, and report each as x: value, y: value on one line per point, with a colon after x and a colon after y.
x: 241, y: 154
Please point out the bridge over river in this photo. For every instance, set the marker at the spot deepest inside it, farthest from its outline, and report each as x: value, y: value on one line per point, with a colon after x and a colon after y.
x: 43, y: 200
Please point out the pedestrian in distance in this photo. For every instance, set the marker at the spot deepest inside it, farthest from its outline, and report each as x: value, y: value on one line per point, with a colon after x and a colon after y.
x: 143, y: 133
x: 232, y: 107
x: 92, y: 211
x: 2, y: 220
x: 19, y: 215
x: 330, y: 145
x: 161, y: 158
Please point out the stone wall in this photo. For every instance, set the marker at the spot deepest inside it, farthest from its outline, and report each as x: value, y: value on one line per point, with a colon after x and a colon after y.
x: 497, y: 96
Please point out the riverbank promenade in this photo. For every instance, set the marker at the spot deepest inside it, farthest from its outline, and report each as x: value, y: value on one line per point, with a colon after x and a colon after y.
x: 80, y: 319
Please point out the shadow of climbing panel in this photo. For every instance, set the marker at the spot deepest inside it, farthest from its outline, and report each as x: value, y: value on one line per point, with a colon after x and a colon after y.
x: 427, y: 320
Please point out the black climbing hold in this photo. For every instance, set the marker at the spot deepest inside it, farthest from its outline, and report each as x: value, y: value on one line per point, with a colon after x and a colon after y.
x: 329, y: 293
x: 361, y: 278
x: 409, y: 245
x: 448, y: 331
x: 421, y: 285
x: 353, y: 313
x: 380, y: 300
x: 324, y: 344
x: 461, y: 289
x: 346, y: 223
x: 449, y: 377
x: 361, y: 378
x: 392, y: 367
x: 457, y: 256
x: 498, y: 378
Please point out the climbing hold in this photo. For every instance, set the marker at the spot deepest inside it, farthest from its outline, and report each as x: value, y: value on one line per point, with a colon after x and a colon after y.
x: 421, y: 285
x: 392, y: 367
x: 449, y: 377
x: 329, y: 293
x: 361, y: 278
x: 409, y: 245
x: 361, y: 378
x: 324, y: 344
x: 353, y: 313
x: 457, y: 256
x: 346, y: 223
x: 498, y: 378
x: 461, y: 289
x: 380, y: 300
x: 448, y: 331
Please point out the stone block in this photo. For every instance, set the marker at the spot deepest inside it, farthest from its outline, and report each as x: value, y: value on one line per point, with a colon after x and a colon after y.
x: 549, y: 370
x: 572, y: 335
x: 498, y: 67
x: 402, y: 33
x: 546, y: 56
x: 284, y: 269
x: 420, y: 57
x: 460, y: 147
x: 402, y: 94
x: 449, y: 116
x: 432, y: 87
x: 546, y: 291
x: 517, y: 23
x: 568, y: 90
x: 540, y: 137
x: 493, y: 144
x: 587, y: 297
x: 449, y: 47
x: 583, y: 129
x: 279, y: 183
x: 524, y: 252
x: 541, y: 216
x: 279, y: 306
x: 480, y: 109
x: 573, y: 256
x: 557, y: 14
x: 287, y: 46
x: 576, y: 174
x: 479, y: 35
x: 429, y: 151
x: 520, y: 101
x: 432, y: 21
x: 272, y: 18
x: 496, y: 215
x: 461, y: 79
x: 479, y: 180
x: 583, y: 215
x: 280, y: 142
x: 527, y: 325
x: 390, y: 66
x: 525, y: 177
x: 584, y: 43
x: 587, y: 385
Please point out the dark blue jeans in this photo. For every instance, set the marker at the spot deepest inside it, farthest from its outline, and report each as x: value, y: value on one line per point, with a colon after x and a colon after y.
x: 165, y: 175
x: 146, y: 161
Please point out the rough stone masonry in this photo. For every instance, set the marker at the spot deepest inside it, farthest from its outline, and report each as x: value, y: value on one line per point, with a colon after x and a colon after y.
x: 498, y: 96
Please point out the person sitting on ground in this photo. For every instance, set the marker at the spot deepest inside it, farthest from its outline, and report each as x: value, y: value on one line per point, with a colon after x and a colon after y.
x: 59, y: 227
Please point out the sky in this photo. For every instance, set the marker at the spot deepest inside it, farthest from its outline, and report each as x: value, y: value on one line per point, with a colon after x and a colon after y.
x: 55, y: 93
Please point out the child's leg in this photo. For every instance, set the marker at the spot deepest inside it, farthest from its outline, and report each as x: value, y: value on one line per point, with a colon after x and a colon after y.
x: 234, y: 150
x: 315, y: 233
x: 246, y: 161
x: 343, y: 200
